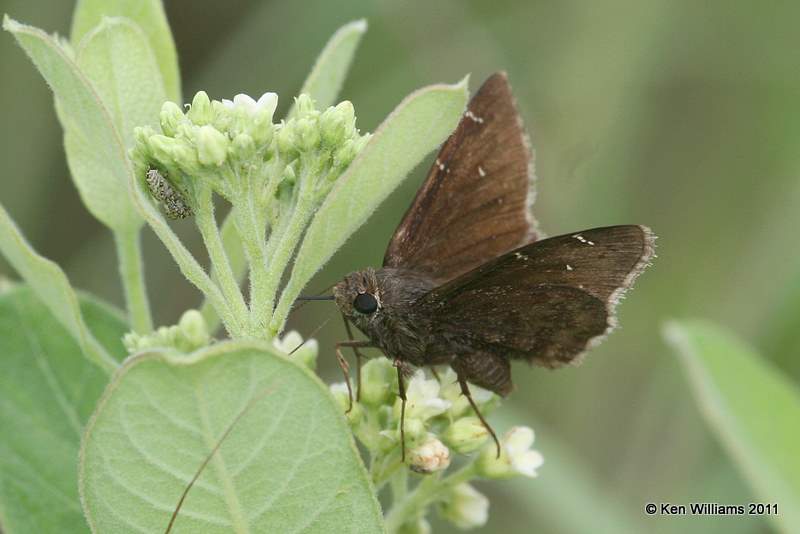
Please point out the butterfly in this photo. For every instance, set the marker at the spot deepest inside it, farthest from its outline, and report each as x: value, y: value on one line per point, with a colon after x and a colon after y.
x: 468, y: 280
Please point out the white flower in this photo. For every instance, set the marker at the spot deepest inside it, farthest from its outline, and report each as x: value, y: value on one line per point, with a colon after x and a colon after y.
x: 422, y: 396
x: 292, y: 345
x: 517, y: 445
x: 466, y: 508
x: 267, y: 102
x: 451, y: 391
x: 429, y: 457
x: 516, y: 457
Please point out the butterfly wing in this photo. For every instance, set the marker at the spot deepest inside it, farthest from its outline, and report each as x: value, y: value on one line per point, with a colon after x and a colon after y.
x: 475, y: 202
x: 546, y: 302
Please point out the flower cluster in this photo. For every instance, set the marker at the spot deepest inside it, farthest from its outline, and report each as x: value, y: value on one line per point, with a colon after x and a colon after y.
x: 274, y: 175
x: 441, y: 431
x: 191, y: 333
x: 234, y: 148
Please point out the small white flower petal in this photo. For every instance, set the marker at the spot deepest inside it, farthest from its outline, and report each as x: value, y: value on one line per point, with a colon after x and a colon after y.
x: 227, y: 103
x: 338, y: 387
x: 244, y: 101
x: 268, y: 102
x: 468, y: 507
x: 527, y: 463
x: 518, y: 439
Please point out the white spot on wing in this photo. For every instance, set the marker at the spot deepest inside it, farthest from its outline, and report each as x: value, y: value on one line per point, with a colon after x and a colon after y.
x: 569, y: 267
x: 439, y: 164
x: 481, y: 172
x: 583, y: 240
x: 474, y: 117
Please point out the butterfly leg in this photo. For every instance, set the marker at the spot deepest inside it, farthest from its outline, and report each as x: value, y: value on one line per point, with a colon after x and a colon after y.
x: 359, y: 357
x: 435, y: 374
x: 486, y: 370
x: 401, y: 392
x: 346, y: 367
x: 465, y: 391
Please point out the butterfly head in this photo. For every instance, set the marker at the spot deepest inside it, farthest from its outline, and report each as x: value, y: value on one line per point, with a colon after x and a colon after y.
x: 358, y: 296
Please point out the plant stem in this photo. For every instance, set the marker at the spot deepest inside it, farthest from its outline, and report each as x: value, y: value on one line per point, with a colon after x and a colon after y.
x: 286, y: 243
x: 231, y: 241
x: 131, y: 270
x: 427, y: 491
x: 219, y: 258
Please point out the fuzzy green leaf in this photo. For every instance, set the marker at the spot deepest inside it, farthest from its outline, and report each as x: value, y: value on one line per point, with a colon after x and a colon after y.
x: 753, y: 408
x: 421, y: 122
x: 150, y: 17
x: 95, y: 147
x: 52, y: 286
x: 118, y: 60
x: 288, y: 463
x: 48, y: 390
x: 330, y: 70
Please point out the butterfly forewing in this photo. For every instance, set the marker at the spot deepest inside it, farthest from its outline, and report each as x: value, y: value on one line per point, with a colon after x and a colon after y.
x: 475, y: 202
x: 546, y: 301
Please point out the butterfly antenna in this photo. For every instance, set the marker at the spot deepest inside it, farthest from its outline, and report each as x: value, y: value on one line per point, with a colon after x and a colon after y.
x: 312, y: 334
x: 308, y: 298
x: 211, y: 454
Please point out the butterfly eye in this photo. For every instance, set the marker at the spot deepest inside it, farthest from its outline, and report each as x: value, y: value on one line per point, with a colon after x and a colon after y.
x: 365, y: 303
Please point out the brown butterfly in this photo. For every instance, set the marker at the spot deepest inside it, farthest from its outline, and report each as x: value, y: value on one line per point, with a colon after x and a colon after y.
x: 467, y: 281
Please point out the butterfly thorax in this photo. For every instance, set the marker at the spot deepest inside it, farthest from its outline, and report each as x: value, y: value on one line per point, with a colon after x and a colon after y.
x: 392, y: 325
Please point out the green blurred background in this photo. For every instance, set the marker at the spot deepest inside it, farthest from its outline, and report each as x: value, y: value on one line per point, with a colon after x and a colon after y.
x: 681, y: 115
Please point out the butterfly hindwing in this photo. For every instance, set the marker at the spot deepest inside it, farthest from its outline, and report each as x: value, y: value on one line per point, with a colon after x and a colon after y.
x: 545, y: 302
x: 475, y: 203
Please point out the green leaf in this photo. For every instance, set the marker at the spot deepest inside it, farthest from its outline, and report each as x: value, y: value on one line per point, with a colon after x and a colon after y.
x: 327, y: 76
x: 52, y: 286
x: 421, y: 122
x: 118, y: 60
x: 108, y: 195
x: 95, y: 148
x: 753, y: 408
x: 288, y: 463
x: 150, y: 17
x: 48, y: 391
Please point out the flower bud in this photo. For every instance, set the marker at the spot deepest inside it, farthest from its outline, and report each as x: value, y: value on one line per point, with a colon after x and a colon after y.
x: 337, y: 124
x: 415, y: 432
x: 185, y: 156
x: 377, y: 377
x: 286, y: 140
x: 243, y: 147
x: 212, y: 146
x: 340, y: 394
x: 261, y: 127
x: 465, y: 507
x: 429, y: 457
x: 162, y: 147
x: 345, y: 155
x: 201, y: 112
x: 193, y: 330
x: 304, y: 106
x: 516, y: 456
x: 466, y: 435
x: 307, y: 134
x: 222, y: 116
x: 171, y: 116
